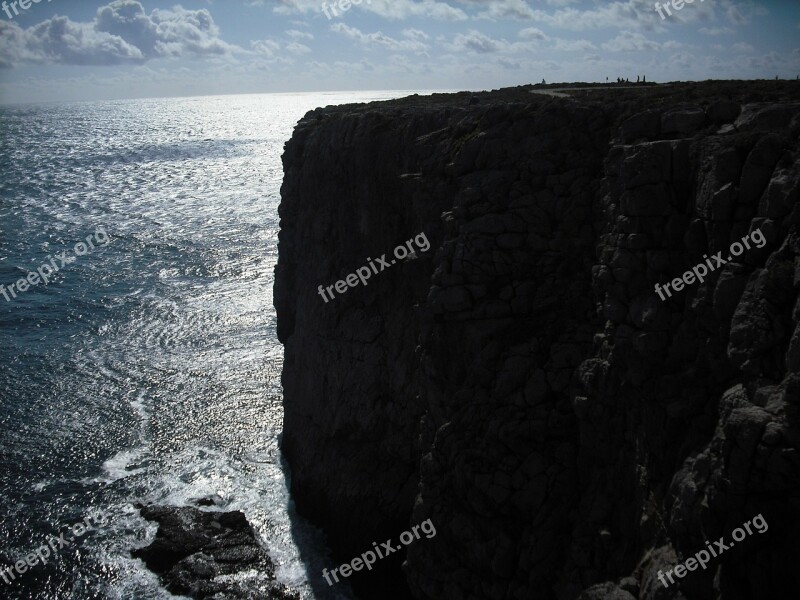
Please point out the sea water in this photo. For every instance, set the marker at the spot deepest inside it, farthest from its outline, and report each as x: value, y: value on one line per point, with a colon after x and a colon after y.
x: 147, y: 369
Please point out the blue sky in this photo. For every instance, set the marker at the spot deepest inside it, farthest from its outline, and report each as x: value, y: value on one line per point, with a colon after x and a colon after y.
x: 57, y: 50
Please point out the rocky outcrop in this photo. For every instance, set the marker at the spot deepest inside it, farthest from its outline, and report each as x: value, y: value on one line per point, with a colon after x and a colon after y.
x: 209, y: 555
x: 522, y: 384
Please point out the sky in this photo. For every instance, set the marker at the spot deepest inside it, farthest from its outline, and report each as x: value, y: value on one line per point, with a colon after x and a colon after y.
x: 76, y: 50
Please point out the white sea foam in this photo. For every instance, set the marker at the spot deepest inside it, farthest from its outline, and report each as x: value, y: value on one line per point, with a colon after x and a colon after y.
x: 123, y: 464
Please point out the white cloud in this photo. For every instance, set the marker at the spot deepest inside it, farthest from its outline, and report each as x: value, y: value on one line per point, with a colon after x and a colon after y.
x: 265, y: 47
x: 683, y: 60
x: 716, y: 30
x: 388, y: 9
x: 630, y: 41
x: 122, y: 32
x: 533, y: 33
x: 475, y: 41
x: 769, y: 60
x: 416, y: 34
x: 378, y: 38
x: 299, y: 35
x: 621, y: 14
x: 736, y: 16
x: 518, y: 10
x: 573, y: 45
x: 297, y: 48
x: 59, y: 40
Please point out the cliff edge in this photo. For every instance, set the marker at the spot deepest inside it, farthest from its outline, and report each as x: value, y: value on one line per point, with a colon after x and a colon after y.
x: 570, y: 427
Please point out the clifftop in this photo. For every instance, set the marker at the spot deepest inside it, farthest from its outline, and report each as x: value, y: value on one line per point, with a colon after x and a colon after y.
x: 522, y: 383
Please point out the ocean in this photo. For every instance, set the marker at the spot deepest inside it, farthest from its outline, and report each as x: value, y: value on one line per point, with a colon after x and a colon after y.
x: 147, y: 369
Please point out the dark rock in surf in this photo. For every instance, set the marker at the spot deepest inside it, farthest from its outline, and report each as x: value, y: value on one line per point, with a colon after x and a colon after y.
x: 195, y: 552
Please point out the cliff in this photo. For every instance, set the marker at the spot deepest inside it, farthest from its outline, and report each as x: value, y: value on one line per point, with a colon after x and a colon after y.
x: 522, y: 383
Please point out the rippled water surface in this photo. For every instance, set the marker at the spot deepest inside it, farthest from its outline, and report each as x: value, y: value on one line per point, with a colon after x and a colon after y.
x: 147, y: 370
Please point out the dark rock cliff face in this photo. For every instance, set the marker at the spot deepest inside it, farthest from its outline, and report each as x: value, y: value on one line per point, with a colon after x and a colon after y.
x: 521, y: 384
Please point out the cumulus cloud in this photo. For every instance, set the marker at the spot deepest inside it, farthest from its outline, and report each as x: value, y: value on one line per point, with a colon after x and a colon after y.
x: 630, y: 41
x: 766, y: 61
x: 743, y: 47
x: 388, y: 9
x: 682, y: 60
x: 518, y: 10
x: 560, y: 14
x: 59, y: 40
x: 265, y: 47
x: 620, y: 14
x: 533, y: 33
x: 416, y: 34
x: 380, y: 39
x: 574, y: 45
x: 299, y: 35
x: 716, y: 30
x: 122, y: 32
x: 735, y: 15
x: 297, y: 48
x: 480, y: 43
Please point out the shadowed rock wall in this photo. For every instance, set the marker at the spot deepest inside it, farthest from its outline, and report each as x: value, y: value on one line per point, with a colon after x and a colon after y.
x: 521, y: 384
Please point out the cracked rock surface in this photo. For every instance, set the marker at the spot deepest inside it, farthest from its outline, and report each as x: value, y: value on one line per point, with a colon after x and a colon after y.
x: 521, y: 384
